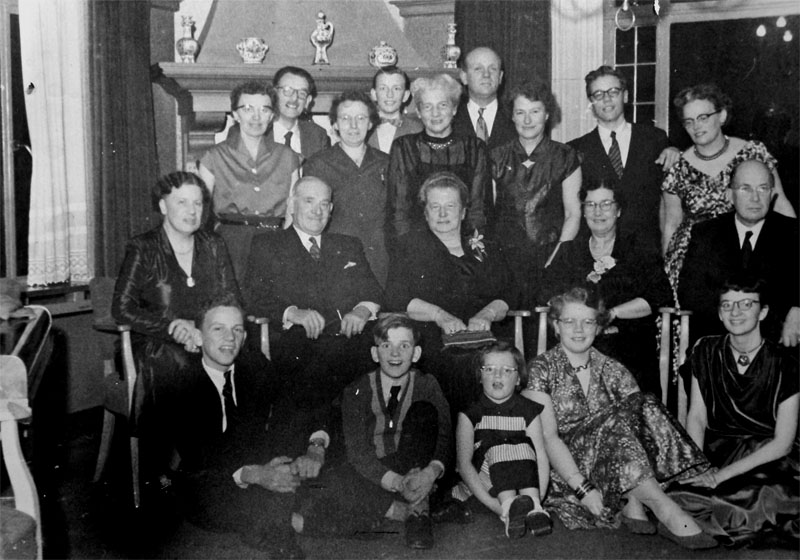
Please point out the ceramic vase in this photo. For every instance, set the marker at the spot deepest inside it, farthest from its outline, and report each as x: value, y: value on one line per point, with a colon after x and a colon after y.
x: 451, y: 51
x: 187, y: 46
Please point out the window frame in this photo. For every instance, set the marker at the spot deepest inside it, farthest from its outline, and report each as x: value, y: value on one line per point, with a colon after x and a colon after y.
x: 7, y: 9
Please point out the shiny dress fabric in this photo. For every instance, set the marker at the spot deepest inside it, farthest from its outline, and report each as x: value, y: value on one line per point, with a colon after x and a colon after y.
x: 618, y: 436
x: 152, y: 291
x: 742, y: 411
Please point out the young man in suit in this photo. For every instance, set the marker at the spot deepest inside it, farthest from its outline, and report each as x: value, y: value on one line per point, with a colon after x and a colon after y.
x: 233, y: 477
x: 296, y: 91
x: 632, y: 156
x: 753, y: 240
x: 481, y: 113
x: 390, y: 92
x: 318, y: 290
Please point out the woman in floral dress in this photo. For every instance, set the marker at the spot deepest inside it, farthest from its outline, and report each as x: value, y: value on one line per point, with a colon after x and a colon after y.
x: 612, y: 446
x: 696, y: 188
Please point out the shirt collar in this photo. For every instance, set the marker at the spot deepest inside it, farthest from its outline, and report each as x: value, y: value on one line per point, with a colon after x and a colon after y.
x: 489, y: 111
x: 388, y: 382
x: 279, y: 131
x: 623, y: 130
x: 741, y: 229
x: 217, y: 377
x: 305, y: 239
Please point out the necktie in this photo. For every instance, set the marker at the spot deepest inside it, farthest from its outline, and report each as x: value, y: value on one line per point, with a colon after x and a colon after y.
x: 394, y: 394
x: 615, y: 156
x: 747, y: 250
x: 480, y: 127
x: 287, y: 138
x: 227, y: 396
x: 396, y: 122
x: 314, y: 249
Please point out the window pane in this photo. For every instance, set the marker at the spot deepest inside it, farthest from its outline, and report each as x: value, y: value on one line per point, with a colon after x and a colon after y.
x: 625, y: 47
x: 646, y: 44
x: 645, y: 83
x: 645, y: 114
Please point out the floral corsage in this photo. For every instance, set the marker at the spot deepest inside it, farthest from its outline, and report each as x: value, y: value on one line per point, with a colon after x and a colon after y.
x: 601, y: 266
x: 477, y: 246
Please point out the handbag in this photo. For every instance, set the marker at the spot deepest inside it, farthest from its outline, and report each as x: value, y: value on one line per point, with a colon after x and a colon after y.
x: 468, y: 339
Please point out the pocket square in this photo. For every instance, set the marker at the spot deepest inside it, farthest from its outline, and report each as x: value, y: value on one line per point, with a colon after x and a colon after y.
x: 349, y: 264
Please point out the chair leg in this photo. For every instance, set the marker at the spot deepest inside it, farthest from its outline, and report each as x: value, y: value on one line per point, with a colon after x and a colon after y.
x: 109, y: 421
x: 683, y: 400
x: 664, y: 354
x: 518, y: 339
x: 135, y: 471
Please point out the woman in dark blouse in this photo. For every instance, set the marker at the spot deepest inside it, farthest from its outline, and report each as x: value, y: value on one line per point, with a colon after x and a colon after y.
x: 451, y: 284
x: 627, y: 274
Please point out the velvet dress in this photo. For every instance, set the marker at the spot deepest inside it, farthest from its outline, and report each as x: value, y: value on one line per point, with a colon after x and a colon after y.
x: 742, y: 412
x: 618, y: 436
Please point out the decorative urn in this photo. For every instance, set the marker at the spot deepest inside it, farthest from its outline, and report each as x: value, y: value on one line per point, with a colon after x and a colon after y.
x: 252, y: 50
x: 451, y: 51
x: 383, y: 55
x: 187, y: 46
x: 321, y: 38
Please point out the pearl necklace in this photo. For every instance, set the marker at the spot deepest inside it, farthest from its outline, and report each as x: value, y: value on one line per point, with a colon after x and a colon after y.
x: 744, y: 357
x: 716, y: 155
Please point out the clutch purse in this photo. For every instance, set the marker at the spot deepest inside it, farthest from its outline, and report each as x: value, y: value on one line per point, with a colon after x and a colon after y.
x: 468, y: 339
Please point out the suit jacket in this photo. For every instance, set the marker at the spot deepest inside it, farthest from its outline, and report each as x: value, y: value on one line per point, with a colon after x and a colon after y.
x: 714, y: 256
x: 503, y: 129
x: 640, y: 184
x: 313, y: 138
x: 281, y: 273
x: 408, y: 125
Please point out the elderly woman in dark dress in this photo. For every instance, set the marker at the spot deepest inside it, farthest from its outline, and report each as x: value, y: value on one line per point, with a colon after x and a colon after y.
x: 537, y: 182
x: 416, y: 156
x: 167, y: 273
x: 451, y: 284
x: 628, y: 275
x: 356, y: 173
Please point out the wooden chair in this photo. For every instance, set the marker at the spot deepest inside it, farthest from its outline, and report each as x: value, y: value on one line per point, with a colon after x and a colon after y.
x: 20, y: 374
x: 669, y: 376
x: 541, y: 340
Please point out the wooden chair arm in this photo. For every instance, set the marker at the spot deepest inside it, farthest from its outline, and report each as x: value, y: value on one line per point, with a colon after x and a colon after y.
x: 263, y: 322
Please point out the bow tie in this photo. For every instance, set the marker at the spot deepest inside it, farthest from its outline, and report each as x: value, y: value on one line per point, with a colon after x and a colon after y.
x: 396, y: 122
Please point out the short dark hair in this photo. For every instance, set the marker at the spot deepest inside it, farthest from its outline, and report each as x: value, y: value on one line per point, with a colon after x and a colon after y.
x: 353, y: 95
x: 707, y: 92
x: 391, y: 71
x: 219, y: 299
x: 585, y: 295
x: 380, y: 332
x: 176, y: 180
x: 312, y: 87
x: 444, y: 180
x: 604, y: 71
x: 496, y: 348
x: 746, y: 282
x: 536, y: 91
x: 253, y: 87
x: 593, y: 183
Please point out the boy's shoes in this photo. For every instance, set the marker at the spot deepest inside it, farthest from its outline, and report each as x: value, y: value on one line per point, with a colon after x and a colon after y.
x: 452, y: 511
x: 538, y: 522
x: 419, y: 531
x: 515, y: 519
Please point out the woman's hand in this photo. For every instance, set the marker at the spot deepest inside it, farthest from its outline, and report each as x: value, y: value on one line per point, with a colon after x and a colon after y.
x: 449, y: 323
x: 182, y: 331
x: 479, y: 323
x: 708, y: 479
x: 593, y: 501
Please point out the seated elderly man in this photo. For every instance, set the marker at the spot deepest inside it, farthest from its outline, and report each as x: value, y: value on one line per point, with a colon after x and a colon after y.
x: 319, y: 293
x: 751, y: 239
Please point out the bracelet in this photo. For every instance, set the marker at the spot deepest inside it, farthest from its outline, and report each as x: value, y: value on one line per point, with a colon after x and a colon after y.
x: 585, y: 487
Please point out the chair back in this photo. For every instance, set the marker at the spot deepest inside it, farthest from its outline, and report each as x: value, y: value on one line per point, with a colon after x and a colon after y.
x: 102, y: 290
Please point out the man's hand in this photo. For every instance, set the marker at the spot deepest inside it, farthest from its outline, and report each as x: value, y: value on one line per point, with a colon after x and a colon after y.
x: 309, y: 465
x: 479, y: 323
x: 790, y: 336
x: 275, y: 476
x: 182, y: 331
x: 353, y: 323
x: 417, y: 484
x: 310, y: 319
x: 449, y: 323
x: 668, y: 157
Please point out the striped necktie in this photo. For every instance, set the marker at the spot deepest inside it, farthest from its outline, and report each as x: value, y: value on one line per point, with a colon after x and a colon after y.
x: 480, y: 127
x: 615, y: 156
x: 314, y: 249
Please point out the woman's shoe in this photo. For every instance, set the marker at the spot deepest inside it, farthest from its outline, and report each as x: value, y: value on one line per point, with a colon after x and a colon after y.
x: 517, y: 512
x: 538, y: 522
x: 638, y: 526
x: 698, y: 541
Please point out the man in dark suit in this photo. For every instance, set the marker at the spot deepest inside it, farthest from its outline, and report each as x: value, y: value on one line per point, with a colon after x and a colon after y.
x: 390, y: 92
x: 481, y: 113
x: 233, y: 477
x: 752, y: 240
x: 296, y: 91
x: 320, y: 293
x: 632, y: 156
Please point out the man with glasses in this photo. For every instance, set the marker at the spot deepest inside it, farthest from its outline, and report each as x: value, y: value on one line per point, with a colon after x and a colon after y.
x: 632, y: 156
x: 296, y: 91
x: 752, y: 239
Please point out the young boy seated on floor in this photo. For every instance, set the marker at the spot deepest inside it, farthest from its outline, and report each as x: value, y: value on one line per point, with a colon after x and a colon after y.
x: 500, y: 447
x: 397, y: 433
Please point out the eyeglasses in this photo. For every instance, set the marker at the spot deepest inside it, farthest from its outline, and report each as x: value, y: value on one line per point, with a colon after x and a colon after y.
x: 742, y: 304
x: 572, y: 323
x: 288, y: 91
x: 612, y: 93
x: 358, y: 119
x: 748, y: 189
x: 251, y: 110
x: 504, y: 370
x: 604, y: 205
x: 699, y: 119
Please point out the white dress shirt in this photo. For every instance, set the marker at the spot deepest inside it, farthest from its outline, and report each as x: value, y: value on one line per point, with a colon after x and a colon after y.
x: 741, y: 229
x: 489, y: 113
x: 279, y: 135
x: 623, y: 139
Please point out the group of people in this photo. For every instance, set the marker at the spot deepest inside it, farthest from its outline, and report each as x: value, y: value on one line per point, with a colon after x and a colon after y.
x: 441, y: 225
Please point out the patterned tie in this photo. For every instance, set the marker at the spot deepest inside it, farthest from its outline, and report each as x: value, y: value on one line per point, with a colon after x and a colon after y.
x: 747, y: 250
x: 314, y: 249
x: 615, y: 156
x: 287, y: 138
x: 480, y: 128
x: 394, y: 400
x: 227, y: 396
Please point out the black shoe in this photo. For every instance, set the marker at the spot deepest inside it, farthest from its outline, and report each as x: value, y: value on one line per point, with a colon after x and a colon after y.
x: 419, y: 531
x: 517, y: 513
x: 698, y: 541
x: 452, y: 511
x: 538, y: 522
x: 276, y: 545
